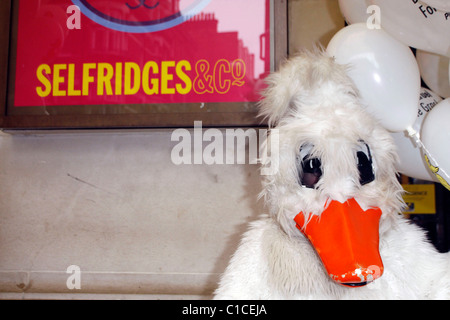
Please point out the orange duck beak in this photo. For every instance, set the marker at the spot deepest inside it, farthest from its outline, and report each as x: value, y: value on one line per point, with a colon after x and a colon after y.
x: 346, y: 238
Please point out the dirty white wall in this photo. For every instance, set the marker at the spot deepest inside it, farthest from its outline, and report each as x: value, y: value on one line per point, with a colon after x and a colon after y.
x: 114, y: 204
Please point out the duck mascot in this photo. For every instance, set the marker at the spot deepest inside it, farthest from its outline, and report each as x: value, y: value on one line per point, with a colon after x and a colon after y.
x: 333, y: 228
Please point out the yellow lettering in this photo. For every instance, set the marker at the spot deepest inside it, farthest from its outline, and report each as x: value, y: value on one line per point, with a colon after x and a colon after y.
x: 128, y: 88
x: 222, y: 86
x: 57, y: 80
x: 43, y: 92
x: 166, y: 77
x: 238, y: 71
x: 104, y: 80
x: 71, y: 79
x: 183, y: 77
x: 118, y: 90
x: 146, y: 76
x: 87, y: 78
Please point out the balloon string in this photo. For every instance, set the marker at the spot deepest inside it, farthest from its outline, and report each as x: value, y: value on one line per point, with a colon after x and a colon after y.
x: 440, y: 173
x: 413, y: 134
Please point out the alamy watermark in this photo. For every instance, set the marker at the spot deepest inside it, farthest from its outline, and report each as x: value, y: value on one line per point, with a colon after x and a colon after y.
x: 74, y: 280
x: 74, y: 20
x: 228, y: 146
x: 374, y: 21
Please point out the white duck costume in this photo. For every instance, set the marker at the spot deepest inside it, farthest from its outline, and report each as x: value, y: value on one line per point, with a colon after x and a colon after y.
x: 334, y: 228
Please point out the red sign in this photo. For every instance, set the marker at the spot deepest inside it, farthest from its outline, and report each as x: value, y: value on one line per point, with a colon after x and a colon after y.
x: 93, y: 52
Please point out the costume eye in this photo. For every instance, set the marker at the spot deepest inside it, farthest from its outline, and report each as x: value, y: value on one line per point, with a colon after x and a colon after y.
x: 311, y: 168
x: 365, y: 165
x: 311, y: 172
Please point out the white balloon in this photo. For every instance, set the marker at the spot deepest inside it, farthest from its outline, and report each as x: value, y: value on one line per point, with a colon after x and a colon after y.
x: 436, y: 140
x: 411, y: 162
x: 384, y: 70
x: 434, y: 70
x: 428, y: 100
x: 417, y: 23
x: 354, y: 11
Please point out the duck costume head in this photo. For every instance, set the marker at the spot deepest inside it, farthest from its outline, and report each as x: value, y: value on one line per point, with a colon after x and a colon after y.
x: 336, y: 177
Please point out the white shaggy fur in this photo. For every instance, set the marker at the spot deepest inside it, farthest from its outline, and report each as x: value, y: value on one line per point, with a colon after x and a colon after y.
x: 312, y: 100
